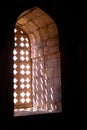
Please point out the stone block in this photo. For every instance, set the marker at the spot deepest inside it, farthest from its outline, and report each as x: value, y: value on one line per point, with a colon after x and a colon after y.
x: 53, y: 50
x: 53, y: 31
x: 52, y: 43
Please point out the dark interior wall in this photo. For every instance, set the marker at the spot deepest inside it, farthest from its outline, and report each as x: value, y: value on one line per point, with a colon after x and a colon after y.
x: 64, y: 17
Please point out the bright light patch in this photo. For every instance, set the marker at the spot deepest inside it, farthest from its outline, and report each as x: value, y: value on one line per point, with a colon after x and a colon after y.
x: 27, y: 72
x: 46, y: 98
x: 52, y: 107
x: 22, y: 72
x: 15, y: 80
x: 46, y: 91
x: 26, y: 39
x: 27, y: 80
x: 37, y: 102
x: 27, y: 66
x: 37, y: 88
x: 15, y: 58
x: 21, y: 32
x: 22, y: 39
x: 22, y: 94
x: 27, y: 53
x: 45, y: 82
x: 27, y: 45
x: 51, y: 96
x: 22, y: 44
x: 42, y: 101
x: 15, y: 94
x: 55, y: 106
x: 27, y: 58
x: 28, y: 100
x: 42, y: 95
x: 27, y: 86
x: 41, y: 66
x: 46, y: 107
x: 22, y: 58
x: 41, y: 86
x: 51, y: 90
x: 15, y: 86
x: 15, y: 38
x: 45, y: 76
x: 15, y: 66
x: 14, y: 52
x: 22, y: 100
x: 37, y: 96
x: 22, y: 86
x: 22, y: 80
x: 22, y: 66
x: 15, y: 30
x: 36, y: 81
x: 14, y: 72
x: 15, y: 100
x: 22, y: 52
x: 27, y: 94
x: 41, y: 72
x: 15, y: 44
x: 41, y: 80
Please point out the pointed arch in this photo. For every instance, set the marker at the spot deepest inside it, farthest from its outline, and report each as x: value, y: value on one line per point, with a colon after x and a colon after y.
x: 45, y: 55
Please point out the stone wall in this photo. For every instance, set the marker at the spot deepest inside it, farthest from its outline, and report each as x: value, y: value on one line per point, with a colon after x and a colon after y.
x: 45, y: 56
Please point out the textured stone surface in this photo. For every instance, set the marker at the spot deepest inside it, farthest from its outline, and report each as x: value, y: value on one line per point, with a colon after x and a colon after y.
x: 45, y: 55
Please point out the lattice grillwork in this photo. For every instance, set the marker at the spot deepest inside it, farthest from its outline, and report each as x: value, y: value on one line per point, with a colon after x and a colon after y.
x: 22, y: 70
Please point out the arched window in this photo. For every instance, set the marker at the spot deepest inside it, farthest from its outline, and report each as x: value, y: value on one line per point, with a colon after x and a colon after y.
x: 37, y: 71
